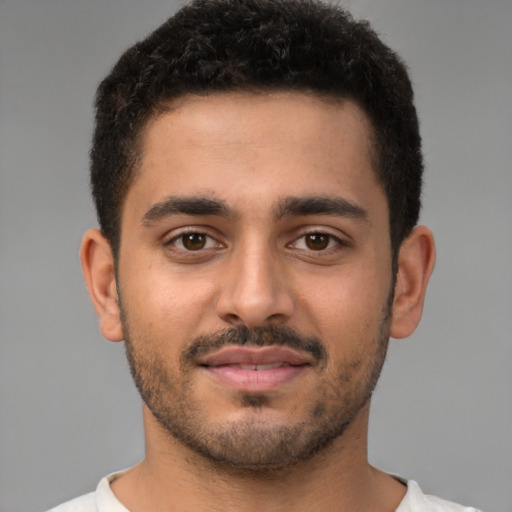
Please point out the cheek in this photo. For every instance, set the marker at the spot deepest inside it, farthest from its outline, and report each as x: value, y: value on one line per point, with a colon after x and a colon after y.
x: 346, y: 309
x: 164, y: 305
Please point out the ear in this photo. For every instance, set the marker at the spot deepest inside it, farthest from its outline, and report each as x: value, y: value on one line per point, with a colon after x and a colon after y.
x: 416, y: 261
x: 98, y: 268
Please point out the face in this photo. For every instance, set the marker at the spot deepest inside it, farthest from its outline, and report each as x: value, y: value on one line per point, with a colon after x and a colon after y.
x: 254, y: 274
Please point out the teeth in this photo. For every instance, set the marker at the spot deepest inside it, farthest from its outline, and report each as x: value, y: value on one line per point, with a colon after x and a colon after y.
x: 259, y: 367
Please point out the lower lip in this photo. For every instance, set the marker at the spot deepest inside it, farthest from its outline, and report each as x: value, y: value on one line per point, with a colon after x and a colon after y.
x: 255, y: 380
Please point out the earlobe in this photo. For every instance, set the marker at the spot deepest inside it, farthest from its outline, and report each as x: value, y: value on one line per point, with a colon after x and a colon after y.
x: 415, y: 264
x: 99, y: 274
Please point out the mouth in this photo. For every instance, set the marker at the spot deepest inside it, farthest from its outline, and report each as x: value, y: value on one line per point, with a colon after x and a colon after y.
x: 255, y: 369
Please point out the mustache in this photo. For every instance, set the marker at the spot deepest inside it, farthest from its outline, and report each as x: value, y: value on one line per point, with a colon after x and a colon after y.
x: 256, y: 337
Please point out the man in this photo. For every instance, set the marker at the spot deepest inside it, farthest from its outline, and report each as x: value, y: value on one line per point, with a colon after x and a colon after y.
x: 256, y: 169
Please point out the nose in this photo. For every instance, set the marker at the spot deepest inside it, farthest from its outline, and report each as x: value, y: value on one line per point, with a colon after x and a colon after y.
x: 255, y: 291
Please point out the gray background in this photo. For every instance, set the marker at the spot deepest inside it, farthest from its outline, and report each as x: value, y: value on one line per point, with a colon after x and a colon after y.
x: 69, y: 413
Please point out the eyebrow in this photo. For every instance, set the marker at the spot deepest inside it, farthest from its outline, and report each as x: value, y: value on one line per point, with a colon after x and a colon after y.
x: 318, y: 205
x: 186, y: 206
x: 286, y: 207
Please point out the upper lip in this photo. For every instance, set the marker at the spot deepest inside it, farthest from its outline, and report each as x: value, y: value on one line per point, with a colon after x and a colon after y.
x: 256, y: 356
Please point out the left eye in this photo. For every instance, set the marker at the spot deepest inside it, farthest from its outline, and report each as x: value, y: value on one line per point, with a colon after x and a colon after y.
x: 316, y: 242
x: 193, y: 241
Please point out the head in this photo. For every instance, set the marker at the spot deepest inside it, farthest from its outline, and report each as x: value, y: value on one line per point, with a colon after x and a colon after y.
x: 256, y: 168
x: 258, y: 46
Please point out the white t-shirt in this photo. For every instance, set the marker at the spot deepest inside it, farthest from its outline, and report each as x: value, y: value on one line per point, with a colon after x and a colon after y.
x: 103, y: 500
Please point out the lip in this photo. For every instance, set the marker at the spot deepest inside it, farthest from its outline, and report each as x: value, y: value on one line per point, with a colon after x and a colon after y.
x: 255, y: 369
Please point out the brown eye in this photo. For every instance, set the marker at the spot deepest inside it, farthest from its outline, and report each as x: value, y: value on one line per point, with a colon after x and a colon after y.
x: 189, y: 242
x: 317, y: 241
x: 193, y: 241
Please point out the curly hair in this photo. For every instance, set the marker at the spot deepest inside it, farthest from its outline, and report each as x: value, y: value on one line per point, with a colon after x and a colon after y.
x: 258, y: 45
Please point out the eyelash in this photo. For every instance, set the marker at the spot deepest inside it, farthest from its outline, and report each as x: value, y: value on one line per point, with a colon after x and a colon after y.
x: 332, y: 242
x: 190, y: 232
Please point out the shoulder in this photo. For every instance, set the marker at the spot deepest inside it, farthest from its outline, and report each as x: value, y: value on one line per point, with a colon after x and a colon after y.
x: 101, y: 500
x: 415, y: 501
x: 85, y: 503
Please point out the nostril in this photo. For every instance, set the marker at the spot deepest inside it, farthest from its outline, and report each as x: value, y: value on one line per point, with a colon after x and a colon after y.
x: 232, y: 318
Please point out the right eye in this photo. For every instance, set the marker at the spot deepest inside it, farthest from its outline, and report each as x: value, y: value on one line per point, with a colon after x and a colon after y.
x: 193, y: 241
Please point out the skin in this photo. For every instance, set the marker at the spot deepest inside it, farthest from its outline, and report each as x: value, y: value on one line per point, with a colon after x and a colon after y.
x: 258, y: 269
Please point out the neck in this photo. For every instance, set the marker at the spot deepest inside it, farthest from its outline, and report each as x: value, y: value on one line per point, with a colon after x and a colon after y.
x: 173, y: 478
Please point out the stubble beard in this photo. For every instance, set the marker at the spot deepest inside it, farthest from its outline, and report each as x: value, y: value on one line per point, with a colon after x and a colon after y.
x: 253, y: 444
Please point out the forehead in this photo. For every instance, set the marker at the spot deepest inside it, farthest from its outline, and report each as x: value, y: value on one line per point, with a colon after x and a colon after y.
x: 241, y: 117
x: 244, y: 145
